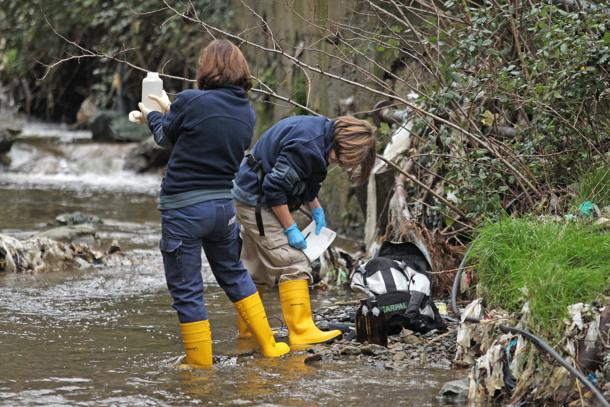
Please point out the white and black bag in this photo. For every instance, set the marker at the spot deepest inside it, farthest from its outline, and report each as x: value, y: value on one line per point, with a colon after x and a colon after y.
x: 400, y: 282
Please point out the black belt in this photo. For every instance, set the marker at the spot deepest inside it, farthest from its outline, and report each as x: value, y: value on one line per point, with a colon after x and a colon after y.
x: 256, y: 166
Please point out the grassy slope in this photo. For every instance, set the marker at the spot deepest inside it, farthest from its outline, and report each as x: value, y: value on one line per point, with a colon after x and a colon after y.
x: 551, y: 265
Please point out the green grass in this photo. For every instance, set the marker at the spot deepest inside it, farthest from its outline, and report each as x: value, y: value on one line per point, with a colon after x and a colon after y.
x: 548, y: 264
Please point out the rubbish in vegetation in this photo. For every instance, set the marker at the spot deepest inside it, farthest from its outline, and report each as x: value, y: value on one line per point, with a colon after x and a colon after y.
x: 512, y: 369
x: 43, y: 254
x: 588, y: 208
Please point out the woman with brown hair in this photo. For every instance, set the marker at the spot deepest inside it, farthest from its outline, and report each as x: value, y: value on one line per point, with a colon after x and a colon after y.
x: 285, y: 170
x: 208, y: 130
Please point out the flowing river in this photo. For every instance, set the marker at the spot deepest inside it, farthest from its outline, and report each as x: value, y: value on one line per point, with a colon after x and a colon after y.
x: 108, y: 336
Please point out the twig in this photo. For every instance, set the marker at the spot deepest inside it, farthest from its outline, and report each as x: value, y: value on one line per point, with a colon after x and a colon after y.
x: 438, y: 338
x: 449, y: 271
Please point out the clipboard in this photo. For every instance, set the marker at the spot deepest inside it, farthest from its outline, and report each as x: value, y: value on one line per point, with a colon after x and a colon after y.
x: 317, y: 244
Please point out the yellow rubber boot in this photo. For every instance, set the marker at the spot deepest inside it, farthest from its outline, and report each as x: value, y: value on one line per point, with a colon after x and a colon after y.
x: 296, y: 307
x: 242, y: 326
x: 252, y: 312
x: 197, y: 339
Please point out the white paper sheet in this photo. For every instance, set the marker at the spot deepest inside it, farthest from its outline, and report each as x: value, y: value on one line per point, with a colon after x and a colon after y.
x: 317, y: 244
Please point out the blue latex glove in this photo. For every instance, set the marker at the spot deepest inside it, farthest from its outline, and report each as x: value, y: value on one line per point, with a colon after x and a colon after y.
x: 295, y: 237
x: 318, y: 216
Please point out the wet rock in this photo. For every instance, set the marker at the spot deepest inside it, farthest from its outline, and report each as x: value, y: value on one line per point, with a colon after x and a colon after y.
x: 409, y: 337
x: 398, y: 356
x: 222, y: 360
x: 323, y: 354
x: 85, y: 233
x: 82, y: 263
x: 114, y: 247
x: 411, y: 340
x: 77, y: 218
x: 9, y: 130
x: 351, y: 350
x: 313, y: 358
x: 379, y: 364
x: 431, y: 334
x: 145, y: 156
x: 242, y: 402
x: 343, y: 317
x: 111, y: 126
x: 455, y: 391
x: 440, y: 364
x: 404, y: 351
x: 373, y: 350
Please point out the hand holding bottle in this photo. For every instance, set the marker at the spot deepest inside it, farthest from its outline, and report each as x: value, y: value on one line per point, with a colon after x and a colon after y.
x: 139, y: 116
x: 136, y: 116
x: 162, y: 101
x: 144, y: 111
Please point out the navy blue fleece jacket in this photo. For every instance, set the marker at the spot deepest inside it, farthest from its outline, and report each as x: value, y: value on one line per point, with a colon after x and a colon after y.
x: 209, y: 130
x: 293, y: 155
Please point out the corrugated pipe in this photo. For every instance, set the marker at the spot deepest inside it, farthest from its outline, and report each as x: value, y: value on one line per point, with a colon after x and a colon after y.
x: 540, y: 344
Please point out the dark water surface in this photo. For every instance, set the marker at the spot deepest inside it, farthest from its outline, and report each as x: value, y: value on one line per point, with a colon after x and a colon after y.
x: 107, y: 335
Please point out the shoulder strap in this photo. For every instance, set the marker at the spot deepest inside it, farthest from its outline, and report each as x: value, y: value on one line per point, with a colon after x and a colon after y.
x: 256, y: 166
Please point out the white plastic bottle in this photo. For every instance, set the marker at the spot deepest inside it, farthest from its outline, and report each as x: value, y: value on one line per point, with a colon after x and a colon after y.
x: 151, y: 85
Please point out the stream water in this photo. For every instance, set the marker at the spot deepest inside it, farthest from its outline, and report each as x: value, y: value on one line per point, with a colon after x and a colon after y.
x: 108, y: 336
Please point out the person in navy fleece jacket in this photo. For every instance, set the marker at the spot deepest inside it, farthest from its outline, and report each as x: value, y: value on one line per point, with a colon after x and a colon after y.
x: 293, y: 157
x: 208, y: 130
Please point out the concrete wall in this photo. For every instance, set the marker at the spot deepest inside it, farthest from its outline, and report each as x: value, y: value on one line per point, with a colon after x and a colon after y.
x: 290, y: 23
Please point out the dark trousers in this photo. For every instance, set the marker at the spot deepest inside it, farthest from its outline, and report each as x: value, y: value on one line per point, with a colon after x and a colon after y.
x: 211, y: 225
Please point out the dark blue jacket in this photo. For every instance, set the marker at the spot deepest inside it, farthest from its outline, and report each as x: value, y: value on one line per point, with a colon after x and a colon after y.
x: 210, y: 130
x: 293, y: 154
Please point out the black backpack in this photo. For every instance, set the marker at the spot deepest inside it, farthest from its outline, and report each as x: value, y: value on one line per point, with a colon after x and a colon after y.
x: 400, y: 282
x: 394, y: 306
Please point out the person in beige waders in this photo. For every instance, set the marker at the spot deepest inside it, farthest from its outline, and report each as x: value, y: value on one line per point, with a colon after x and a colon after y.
x: 284, y: 171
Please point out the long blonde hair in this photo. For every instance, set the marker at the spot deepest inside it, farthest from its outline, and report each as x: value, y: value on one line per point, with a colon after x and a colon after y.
x: 354, y: 145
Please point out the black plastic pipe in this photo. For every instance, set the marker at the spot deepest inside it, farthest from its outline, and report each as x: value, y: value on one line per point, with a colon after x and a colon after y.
x: 540, y: 344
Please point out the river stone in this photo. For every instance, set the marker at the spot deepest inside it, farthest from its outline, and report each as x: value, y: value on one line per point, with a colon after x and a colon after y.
x: 224, y: 360
x: 114, y: 247
x: 147, y: 155
x: 9, y: 130
x: 77, y: 218
x: 411, y: 340
x: 82, y: 263
x: 373, y: 350
x: 70, y: 233
x: 351, y: 350
x: 313, y: 358
x: 455, y: 391
x: 342, y: 317
x: 398, y: 356
x: 111, y: 126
